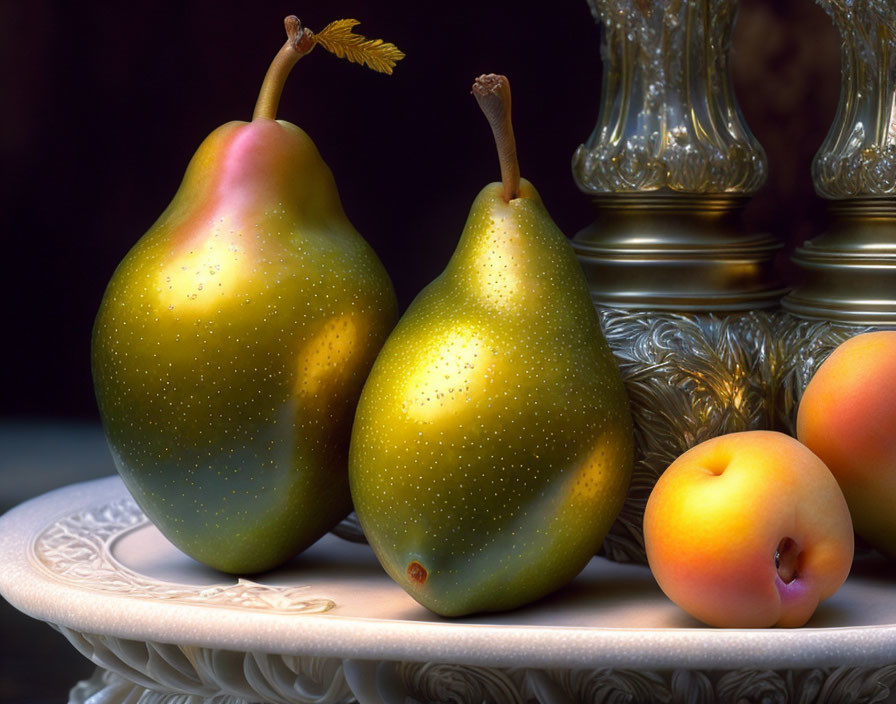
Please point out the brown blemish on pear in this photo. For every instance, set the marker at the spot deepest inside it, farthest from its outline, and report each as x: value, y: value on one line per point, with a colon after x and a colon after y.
x: 417, y: 573
x: 493, y: 437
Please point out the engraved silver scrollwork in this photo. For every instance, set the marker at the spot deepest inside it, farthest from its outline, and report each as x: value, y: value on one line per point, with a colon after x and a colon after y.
x: 805, y: 344
x: 76, y: 549
x: 691, y: 377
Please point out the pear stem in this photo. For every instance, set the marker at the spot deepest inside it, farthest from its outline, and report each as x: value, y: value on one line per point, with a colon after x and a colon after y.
x: 300, y: 41
x: 492, y: 92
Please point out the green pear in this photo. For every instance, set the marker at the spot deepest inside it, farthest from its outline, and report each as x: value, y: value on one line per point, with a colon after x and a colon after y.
x: 233, y: 340
x: 492, y: 445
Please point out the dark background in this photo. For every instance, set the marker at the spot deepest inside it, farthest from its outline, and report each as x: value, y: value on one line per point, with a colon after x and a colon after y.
x: 103, y: 104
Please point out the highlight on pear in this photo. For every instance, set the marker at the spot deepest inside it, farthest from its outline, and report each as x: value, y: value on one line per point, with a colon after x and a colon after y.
x: 233, y: 340
x: 492, y: 446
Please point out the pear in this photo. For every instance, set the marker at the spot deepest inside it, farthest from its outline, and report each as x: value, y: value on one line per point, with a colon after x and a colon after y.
x: 233, y: 340
x: 492, y: 445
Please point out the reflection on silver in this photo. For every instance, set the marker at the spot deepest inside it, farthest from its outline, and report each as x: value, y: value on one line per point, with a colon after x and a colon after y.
x: 858, y: 157
x: 691, y: 377
x: 668, y: 115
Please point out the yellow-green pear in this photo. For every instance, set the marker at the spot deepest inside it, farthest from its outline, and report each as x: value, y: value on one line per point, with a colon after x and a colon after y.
x: 233, y: 340
x: 492, y: 445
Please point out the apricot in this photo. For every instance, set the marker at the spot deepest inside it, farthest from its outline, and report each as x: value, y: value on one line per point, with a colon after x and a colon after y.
x: 847, y: 417
x: 748, y: 530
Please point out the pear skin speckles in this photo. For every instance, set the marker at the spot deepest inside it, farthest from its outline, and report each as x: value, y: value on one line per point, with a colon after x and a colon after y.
x: 492, y: 445
x: 228, y: 354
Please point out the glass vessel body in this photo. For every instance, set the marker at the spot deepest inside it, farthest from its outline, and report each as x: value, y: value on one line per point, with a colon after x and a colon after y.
x: 858, y: 157
x: 848, y: 273
x: 668, y: 115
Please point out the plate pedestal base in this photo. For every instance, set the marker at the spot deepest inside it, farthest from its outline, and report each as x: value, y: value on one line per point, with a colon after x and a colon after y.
x: 218, y: 678
x: 330, y: 627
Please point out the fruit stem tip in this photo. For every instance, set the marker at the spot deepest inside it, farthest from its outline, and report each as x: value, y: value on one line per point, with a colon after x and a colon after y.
x: 299, y: 41
x: 492, y: 93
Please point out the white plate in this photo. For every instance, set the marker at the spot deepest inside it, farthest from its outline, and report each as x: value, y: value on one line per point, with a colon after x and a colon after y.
x: 85, y: 559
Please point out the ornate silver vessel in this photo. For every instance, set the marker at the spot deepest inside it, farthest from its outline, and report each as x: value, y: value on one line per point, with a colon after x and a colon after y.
x: 688, y: 300
x: 849, y: 272
x: 668, y: 117
x: 687, y: 297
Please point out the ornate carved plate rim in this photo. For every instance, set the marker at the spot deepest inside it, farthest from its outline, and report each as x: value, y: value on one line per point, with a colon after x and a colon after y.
x: 32, y: 588
x: 77, y: 549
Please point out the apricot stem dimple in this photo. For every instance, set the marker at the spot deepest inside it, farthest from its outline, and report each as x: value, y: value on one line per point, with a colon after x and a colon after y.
x: 718, y: 462
x: 787, y: 560
x: 417, y: 573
